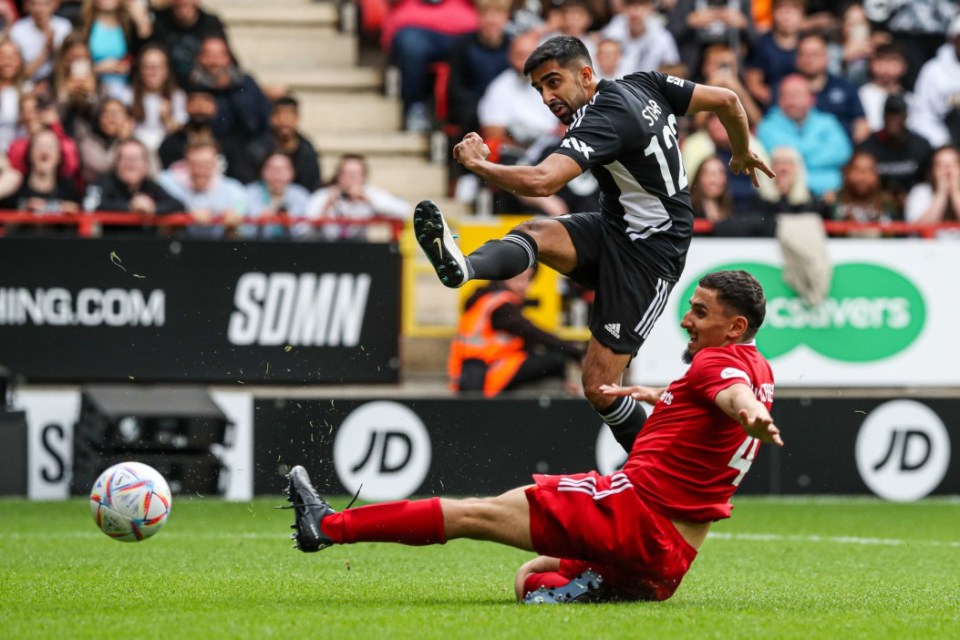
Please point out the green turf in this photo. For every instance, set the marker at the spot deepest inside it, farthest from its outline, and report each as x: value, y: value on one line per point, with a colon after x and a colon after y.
x: 778, y: 569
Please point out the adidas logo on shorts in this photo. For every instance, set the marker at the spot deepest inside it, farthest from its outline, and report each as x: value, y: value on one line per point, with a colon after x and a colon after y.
x: 613, y: 329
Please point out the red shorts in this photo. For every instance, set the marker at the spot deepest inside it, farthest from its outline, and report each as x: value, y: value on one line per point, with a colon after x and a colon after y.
x: 599, y: 522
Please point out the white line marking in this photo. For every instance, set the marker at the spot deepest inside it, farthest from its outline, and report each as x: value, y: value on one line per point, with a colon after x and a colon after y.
x: 775, y: 537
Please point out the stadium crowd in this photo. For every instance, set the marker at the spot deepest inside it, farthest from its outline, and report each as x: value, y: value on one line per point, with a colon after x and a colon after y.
x: 140, y: 105
x: 857, y: 103
x: 137, y: 106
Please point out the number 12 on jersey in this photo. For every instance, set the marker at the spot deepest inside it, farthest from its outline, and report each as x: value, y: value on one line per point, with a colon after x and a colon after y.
x: 743, y: 458
x: 670, y: 142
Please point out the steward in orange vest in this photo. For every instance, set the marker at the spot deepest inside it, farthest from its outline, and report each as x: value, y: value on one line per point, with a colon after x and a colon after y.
x: 496, y: 348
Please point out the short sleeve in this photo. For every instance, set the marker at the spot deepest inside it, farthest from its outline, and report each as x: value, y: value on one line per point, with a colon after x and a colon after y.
x: 713, y: 371
x: 677, y: 91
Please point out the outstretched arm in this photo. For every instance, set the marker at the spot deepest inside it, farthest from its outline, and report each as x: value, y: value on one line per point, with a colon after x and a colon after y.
x: 544, y: 179
x: 739, y: 402
x: 728, y: 108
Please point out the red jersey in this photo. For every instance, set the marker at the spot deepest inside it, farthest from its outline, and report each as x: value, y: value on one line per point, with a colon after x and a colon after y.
x: 691, y: 456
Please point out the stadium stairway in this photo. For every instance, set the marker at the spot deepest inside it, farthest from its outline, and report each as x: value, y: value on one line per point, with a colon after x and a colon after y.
x: 311, y: 48
x: 299, y: 44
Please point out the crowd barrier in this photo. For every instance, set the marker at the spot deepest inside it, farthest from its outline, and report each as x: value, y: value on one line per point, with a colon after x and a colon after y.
x: 899, y: 448
x: 89, y: 224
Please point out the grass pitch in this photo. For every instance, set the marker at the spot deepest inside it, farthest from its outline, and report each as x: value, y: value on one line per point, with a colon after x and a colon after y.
x: 830, y: 568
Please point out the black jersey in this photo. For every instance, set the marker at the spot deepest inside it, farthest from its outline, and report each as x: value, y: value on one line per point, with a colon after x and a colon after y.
x: 627, y: 136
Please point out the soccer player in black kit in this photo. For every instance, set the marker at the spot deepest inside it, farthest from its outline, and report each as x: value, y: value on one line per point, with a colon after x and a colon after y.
x: 633, y: 251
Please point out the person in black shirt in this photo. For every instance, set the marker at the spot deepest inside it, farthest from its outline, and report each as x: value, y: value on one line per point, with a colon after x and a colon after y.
x: 180, y: 28
x: 43, y: 190
x: 129, y: 188
x: 632, y: 252
x: 284, y: 121
x: 901, y: 154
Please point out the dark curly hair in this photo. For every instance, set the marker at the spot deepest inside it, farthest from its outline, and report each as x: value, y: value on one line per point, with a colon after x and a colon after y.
x: 739, y: 292
x: 567, y: 51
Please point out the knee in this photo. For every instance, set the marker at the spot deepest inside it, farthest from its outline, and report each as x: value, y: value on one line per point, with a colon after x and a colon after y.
x: 532, y: 228
x: 524, y: 572
x: 592, y: 381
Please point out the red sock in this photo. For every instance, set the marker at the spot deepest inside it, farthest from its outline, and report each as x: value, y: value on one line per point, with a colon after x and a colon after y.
x: 549, y: 580
x: 419, y: 522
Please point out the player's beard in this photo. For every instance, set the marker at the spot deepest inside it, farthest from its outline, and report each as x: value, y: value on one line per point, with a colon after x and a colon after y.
x: 687, y: 356
x: 574, y: 105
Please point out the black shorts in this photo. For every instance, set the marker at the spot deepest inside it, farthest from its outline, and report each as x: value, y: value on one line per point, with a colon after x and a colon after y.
x: 629, y: 296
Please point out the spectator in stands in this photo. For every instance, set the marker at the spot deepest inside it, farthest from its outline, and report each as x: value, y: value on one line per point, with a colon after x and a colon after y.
x: 574, y: 18
x: 38, y: 35
x: 887, y: 68
x: 38, y: 114
x: 8, y: 15
x: 721, y: 68
x: 128, y: 187
x: 275, y: 194
x: 240, y: 157
x: 608, y: 59
x: 44, y: 188
x: 511, y: 112
x: 74, y: 84
x: 206, y: 193
x: 697, y: 24
x: 774, y: 56
x: 787, y: 192
x: 834, y: 95
x: 114, y: 30
x: 936, y: 110
x: 938, y: 199
x: 158, y: 105
x: 477, y: 58
x: 917, y: 27
x: 901, y: 154
x: 416, y: 34
x: 285, y: 123
x: 352, y: 198
x: 851, y: 57
x: 647, y: 45
x: 497, y: 349
x: 710, y: 191
x: 97, y: 142
x: 242, y: 109
x: 818, y: 136
x: 11, y: 84
x: 10, y: 180
x: 712, y: 140
x: 862, y: 198
x: 180, y: 28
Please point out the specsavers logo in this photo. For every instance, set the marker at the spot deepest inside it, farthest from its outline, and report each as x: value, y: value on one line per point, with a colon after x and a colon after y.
x: 871, y: 313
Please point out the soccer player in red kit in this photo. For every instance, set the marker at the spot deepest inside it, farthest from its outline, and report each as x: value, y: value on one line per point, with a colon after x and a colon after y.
x: 631, y: 535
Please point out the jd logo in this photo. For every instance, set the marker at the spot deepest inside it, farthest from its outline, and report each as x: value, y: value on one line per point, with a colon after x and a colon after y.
x: 385, y: 447
x: 903, y: 450
x: 872, y: 313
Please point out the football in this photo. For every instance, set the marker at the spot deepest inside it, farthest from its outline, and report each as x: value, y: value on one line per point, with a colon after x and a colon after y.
x: 130, y: 501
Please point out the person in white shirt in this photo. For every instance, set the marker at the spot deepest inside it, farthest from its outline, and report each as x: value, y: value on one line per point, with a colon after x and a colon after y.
x: 38, y: 36
x: 349, y: 197
x: 199, y: 183
x: 647, y: 45
x: 938, y: 199
x: 888, y: 66
x: 937, y: 93
x: 511, y: 111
